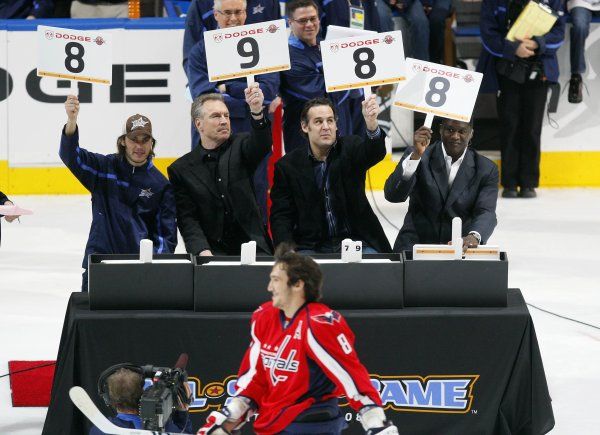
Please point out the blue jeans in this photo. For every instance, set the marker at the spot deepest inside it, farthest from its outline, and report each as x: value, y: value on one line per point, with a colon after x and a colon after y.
x: 580, y: 29
x: 427, y: 31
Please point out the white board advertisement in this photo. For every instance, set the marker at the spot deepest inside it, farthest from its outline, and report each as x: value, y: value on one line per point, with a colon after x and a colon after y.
x: 363, y: 61
x: 83, y: 55
x: 438, y: 90
x: 147, y: 79
x: 248, y: 50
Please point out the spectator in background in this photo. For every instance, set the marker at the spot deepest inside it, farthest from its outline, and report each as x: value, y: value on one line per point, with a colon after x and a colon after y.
x: 427, y: 22
x: 131, y: 199
x: 201, y: 17
x: 339, y: 13
x: 29, y: 9
x: 305, y: 80
x: 581, y: 15
x: 99, y: 9
x: 521, y: 71
x: 231, y: 13
x: 5, y: 201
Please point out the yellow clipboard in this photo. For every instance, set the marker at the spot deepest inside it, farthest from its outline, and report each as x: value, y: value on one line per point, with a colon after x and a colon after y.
x: 534, y: 20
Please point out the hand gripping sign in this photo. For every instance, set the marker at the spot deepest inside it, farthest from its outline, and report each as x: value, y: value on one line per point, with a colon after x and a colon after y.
x: 363, y: 61
x: 245, y: 51
x: 84, y: 56
x: 438, y: 90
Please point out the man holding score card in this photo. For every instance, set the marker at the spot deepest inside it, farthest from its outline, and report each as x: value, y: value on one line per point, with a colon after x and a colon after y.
x: 131, y: 199
x: 445, y: 180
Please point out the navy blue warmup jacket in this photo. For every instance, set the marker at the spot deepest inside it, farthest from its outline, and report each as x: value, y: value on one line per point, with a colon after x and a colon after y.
x: 128, y: 203
x: 24, y: 8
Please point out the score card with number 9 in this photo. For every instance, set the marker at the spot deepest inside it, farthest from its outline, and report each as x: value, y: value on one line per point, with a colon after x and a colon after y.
x: 248, y: 50
x: 74, y: 55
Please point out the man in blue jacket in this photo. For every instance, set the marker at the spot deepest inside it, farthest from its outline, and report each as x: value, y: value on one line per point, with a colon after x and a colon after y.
x: 305, y: 80
x: 131, y: 199
x: 521, y: 70
x: 26, y: 9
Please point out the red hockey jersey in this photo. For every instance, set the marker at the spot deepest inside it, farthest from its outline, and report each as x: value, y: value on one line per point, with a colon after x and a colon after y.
x: 290, y: 367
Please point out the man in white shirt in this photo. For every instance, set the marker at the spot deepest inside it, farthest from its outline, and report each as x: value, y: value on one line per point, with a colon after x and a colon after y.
x: 444, y: 180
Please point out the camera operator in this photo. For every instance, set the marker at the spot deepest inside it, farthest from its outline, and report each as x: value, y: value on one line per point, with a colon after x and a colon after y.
x: 125, y: 388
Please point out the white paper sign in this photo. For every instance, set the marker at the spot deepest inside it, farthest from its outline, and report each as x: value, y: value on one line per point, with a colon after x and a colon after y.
x: 337, y: 32
x: 438, y: 89
x: 363, y: 61
x: 351, y: 251
x: 80, y: 55
x: 247, y: 50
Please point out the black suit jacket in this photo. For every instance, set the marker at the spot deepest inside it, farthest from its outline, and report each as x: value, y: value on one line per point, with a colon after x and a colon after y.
x: 3, y: 199
x: 433, y: 205
x: 199, y: 206
x: 297, y: 210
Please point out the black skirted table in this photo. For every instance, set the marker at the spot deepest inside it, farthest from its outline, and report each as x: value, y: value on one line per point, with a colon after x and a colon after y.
x: 439, y: 370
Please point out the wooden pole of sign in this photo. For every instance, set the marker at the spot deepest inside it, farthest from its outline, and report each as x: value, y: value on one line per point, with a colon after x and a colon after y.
x: 249, y: 80
x: 428, y: 120
x: 367, y: 91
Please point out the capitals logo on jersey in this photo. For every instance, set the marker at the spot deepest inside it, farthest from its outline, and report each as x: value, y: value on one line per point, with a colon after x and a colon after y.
x: 275, y: 361
x: 328, y: 318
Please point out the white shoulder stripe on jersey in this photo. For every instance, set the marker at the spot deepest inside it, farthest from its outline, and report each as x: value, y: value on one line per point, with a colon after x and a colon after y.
x: 246, y: 378
x: 338, y: 371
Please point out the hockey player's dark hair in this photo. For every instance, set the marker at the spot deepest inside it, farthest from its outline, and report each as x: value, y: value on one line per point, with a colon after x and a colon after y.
x: 300, y: 267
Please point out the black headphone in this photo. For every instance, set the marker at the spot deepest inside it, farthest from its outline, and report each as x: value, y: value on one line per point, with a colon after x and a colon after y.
x: 102, y: 380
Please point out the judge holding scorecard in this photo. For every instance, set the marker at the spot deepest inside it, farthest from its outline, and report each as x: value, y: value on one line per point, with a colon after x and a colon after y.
x: 444, y: 180
x: 131, y: 199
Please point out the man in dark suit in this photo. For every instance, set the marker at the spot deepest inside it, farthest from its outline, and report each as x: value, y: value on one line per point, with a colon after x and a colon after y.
x: 318, y: 195
x: 444, y: 180
x: 216, y: 207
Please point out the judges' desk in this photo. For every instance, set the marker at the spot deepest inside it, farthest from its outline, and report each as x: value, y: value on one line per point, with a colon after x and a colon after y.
x: 439, y: 370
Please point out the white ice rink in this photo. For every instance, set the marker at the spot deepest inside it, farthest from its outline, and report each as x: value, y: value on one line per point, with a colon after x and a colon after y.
x: 552, y: 243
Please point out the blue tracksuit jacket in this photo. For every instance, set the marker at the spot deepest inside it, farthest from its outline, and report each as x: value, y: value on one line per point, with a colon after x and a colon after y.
x: 128, y: 203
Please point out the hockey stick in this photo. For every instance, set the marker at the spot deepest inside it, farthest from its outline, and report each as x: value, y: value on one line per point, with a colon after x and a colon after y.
x: 82, y: 400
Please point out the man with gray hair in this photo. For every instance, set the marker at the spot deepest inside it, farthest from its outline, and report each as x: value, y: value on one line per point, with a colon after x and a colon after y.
x: 216, y: 207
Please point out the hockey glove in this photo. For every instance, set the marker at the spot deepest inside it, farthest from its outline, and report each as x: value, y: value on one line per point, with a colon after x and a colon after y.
x: 235, y: 414
x: 374, y: 422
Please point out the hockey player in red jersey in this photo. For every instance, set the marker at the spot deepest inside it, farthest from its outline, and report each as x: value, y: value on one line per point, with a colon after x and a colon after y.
x: 300, y: 360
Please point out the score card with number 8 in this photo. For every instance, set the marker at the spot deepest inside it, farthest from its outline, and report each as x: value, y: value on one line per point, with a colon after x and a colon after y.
x: 75, y: 55
x: 438, y: 90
